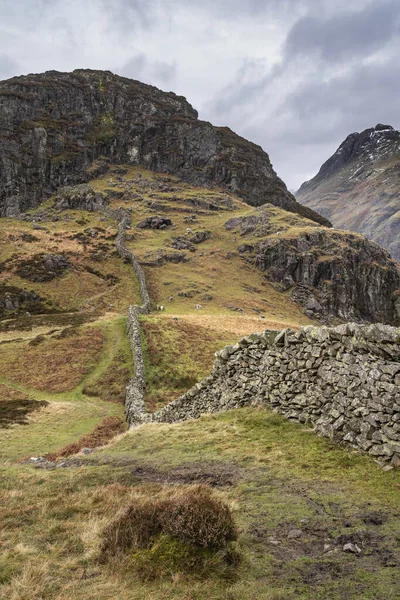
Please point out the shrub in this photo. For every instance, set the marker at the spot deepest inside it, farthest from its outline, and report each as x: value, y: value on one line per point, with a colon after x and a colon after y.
x: 136, y: 527
x: 198, y: 518
x: 192, y: 517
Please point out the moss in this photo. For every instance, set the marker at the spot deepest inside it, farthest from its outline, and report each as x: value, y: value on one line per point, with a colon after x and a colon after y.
x: 169, y: 557
x: 102, y: 130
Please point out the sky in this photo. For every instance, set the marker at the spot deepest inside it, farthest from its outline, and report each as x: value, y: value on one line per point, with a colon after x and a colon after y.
x: 295, y: 76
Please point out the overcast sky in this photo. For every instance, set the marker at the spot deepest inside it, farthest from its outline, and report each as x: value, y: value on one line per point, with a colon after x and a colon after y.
x: 295, y: 76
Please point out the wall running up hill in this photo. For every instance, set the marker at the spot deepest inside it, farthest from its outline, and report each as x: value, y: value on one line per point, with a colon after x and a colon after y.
x: 343, y: 380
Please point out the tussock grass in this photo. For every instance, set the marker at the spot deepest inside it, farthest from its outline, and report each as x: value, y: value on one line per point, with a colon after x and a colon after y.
x: 192, y: 516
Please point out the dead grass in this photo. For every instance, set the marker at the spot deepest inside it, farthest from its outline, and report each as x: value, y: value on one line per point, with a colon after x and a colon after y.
x: 177, y: 355
x: 182, y: 533
x: 103, y: 433
x: 237, y: 326
x: 54, y: 365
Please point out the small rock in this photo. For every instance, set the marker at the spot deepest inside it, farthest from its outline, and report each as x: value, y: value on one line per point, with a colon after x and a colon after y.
x: 37, y: 459
x: 388, y: 468
x: 294, y: 534
x: 273, y: 541
x: 351, y: 548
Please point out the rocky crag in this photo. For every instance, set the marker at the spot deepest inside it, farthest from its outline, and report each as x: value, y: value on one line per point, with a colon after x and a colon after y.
x: 59, y: 129
x: 330, y: 273
x: 358, y: 187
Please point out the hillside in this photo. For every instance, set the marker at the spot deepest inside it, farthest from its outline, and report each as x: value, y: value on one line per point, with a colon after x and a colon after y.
x: 151, y: 263
x: 358, y: 187
x: 54, y: 125
x: 297, y: 499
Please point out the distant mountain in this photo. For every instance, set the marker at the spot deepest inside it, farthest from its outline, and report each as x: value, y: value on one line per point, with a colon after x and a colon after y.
x: 358, y: 188
x: 56, y: 127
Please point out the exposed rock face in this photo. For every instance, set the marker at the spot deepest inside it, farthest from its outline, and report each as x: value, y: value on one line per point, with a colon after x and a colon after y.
x: 334, y: 274
x: 54, y: 127
x: 358, y: 187
x: 14, y: 300
x: 155, y: 223
x: 81, y: 197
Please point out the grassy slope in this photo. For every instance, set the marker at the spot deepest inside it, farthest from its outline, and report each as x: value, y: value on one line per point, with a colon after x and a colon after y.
x: 278, y: 475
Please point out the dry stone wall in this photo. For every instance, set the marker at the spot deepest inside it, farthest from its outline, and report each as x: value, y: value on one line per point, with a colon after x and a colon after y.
x: 345, y: 381
x: 135, y: 389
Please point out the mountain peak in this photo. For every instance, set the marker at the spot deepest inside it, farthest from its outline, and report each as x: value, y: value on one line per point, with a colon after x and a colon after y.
x: 357, y: 187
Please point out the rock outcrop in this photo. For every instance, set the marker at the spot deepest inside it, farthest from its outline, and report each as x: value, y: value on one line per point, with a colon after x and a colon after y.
x: 14, y: 301
x: 331, y: 273
x: 334, y: 274
x: 80, y: 197
x: 358, y: 187
x: 56, y: 127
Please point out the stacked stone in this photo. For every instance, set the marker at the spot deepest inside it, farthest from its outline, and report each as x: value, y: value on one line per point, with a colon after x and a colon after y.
x: 134, y: 395
x: 124, y: 219
x: 344, y: 380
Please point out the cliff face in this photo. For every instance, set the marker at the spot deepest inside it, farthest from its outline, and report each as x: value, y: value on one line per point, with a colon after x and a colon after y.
x: 358, y: 187
x: 330, y: 273
x: 334, y: 274
x: 55, y: 127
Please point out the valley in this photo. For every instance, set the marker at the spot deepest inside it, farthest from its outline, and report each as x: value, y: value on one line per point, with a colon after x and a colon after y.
x: 298, y: 499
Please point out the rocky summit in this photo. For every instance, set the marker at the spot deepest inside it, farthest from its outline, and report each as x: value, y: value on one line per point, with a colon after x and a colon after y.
x: 358, y: 187
x: 57, y: 128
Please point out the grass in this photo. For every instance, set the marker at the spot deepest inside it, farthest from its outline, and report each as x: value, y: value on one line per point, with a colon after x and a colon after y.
x: 87, y: 284
x: 101, y: 434
x: 177, y: 355
x: 275, y: 476
x: 283, y: 478
x: 116, y: 368
x: 54, y: 365
x: 53, y: 427
x: 59, y: 412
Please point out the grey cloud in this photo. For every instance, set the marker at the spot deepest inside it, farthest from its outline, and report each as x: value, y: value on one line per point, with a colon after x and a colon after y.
x: 128, y: 15
x: 155, y: 72
x: 8, y: 67
x: 345, y: 35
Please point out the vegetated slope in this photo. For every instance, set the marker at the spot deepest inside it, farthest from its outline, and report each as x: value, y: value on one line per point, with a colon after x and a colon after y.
x: 220, y: 267
x: 298, y: 501
x: 53, y: 126
x: 358, y: 188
